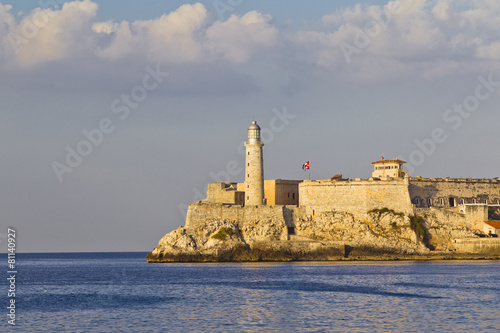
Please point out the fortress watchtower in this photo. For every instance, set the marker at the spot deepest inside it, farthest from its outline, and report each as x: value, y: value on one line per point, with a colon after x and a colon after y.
x: 389, y: 168
x: 254, y: 169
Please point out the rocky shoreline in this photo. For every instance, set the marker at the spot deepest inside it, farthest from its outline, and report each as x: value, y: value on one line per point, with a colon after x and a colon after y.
x: 333, y: 236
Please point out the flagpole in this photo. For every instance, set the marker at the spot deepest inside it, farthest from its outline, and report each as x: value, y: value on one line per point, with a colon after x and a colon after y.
x: 309, y: 173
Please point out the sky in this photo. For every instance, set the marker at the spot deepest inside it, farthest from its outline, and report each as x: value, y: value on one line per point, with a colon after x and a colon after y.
x: 115, y: 115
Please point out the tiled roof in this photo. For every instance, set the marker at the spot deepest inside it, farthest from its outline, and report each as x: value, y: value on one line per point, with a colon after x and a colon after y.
x: 494, y: 224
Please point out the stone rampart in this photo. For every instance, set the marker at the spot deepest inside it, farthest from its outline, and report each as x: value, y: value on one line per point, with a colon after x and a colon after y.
x: 225, y: 192
x: 451, y: 192
x: 490, y: 246
x: 200, y: 213
x: 354, y: 196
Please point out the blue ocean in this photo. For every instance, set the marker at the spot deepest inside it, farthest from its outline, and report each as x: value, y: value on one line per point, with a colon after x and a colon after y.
x: 121, y: 292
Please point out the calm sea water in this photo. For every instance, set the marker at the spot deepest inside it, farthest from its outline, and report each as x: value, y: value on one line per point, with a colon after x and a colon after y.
x: 120, y: 292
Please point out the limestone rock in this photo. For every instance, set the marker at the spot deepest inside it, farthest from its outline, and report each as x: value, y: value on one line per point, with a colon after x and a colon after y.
x: 386, y: 231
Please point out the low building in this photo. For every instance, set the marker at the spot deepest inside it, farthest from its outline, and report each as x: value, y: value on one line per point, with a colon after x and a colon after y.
x: 281, y: 192
x: 491, y: 227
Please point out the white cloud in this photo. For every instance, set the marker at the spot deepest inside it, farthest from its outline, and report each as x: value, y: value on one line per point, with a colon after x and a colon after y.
x: 417, y: 38
x: 239, y: 37
x: 48, y: 35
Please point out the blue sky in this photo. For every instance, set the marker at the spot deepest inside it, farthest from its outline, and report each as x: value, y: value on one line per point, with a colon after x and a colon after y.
x: 338, y: 83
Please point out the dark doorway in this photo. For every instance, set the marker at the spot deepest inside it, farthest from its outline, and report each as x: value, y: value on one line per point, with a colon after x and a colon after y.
x: 452, y: 202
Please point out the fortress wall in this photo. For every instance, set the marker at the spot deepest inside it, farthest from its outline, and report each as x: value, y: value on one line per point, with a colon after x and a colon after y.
x: 490, y: 246
x: 476, y: 215
x: 200, y: 213
x: 354, y: 196
x: 225, y: 192
x: 445, y: 216
x: 440, y: 190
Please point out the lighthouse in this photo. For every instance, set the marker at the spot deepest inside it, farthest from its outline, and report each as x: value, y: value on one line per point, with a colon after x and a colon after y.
x: 254, y: 169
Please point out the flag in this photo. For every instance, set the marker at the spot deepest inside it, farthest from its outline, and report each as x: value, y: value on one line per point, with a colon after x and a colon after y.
x: 305, y: 166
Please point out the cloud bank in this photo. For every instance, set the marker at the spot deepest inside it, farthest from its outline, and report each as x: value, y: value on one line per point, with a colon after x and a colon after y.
x: 421, y: 38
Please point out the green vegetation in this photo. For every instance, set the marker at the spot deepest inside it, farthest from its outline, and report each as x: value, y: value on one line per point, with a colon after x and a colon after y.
x: 416, y: 224
x: 222, y: 233
x: 385, y: 210
x: 394, y: 225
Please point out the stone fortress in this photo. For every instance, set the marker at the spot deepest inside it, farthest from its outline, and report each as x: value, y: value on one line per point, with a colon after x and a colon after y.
x: 389, y: 212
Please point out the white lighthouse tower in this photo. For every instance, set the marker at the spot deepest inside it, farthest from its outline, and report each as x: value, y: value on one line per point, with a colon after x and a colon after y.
x: 254, y: 169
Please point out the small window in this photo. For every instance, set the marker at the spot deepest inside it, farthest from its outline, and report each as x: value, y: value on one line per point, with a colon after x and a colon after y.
x: 248, y: 153
x: 473, y: 201
x: 289, y: 195
x: 293, y: 196
x: 417, y: 201
x: 248, y: 175
x: 248, y: 198
x: 441, y: 201
x: 248, y: 186
x: 486, y: 201
x: 461, y: 201
x: 248, y: 164
x: 429, y: 202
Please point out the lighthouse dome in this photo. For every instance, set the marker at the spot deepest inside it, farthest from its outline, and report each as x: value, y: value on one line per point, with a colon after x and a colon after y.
x: 254, y: 133
x: 254, y: 126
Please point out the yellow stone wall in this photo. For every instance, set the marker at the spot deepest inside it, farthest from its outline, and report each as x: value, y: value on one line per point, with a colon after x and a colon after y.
x: 439, y: 191
x: 355, y: 196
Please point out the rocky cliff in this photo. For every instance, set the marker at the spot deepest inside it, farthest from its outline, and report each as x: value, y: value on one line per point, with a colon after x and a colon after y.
x: 326, y: 236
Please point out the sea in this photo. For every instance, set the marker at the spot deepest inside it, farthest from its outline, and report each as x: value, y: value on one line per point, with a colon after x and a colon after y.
x: 121, y: 292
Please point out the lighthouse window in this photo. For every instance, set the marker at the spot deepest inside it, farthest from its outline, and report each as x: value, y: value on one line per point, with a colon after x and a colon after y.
x: 248, y: 164
x: 248, y: 153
